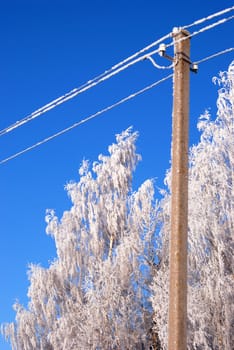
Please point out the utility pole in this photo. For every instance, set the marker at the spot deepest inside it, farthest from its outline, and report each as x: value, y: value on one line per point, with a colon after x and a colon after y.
x: 177, y: 326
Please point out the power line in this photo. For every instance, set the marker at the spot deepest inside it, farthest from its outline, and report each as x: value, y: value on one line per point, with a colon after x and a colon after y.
x: 204, y: 29
x: 190, y: 35
x: 89, y: 84
x: 167, y: 36
x: 92, y: 116
x: 85, y: 120
x: 121, y: 66
x: 213, y: 25
x: 73, y: 94
x: 202, y: 20
x: 215, y: 55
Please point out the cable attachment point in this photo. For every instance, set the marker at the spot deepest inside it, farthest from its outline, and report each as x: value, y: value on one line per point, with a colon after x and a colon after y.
x: 162, y: 50
x: 194, y: 67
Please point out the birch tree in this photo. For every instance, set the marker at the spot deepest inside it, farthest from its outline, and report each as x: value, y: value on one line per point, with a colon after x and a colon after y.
x: 95, y: 295
x: 111, y: 265
x: 211, y: 232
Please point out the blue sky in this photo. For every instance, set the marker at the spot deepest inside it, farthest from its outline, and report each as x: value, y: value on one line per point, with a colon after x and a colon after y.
x: 51, y: 47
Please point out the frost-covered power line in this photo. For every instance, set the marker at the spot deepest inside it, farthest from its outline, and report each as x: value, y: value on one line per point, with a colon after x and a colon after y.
x: 116, y: 69
x: 208, y: 18
x: 126, y: 63
x: 203, y: 29
x: 215, y: 55
x: 85, y: 120
x: 213, y: 25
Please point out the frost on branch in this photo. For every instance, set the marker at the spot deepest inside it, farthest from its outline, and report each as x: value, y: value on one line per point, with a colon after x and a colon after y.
x: 211, y: 233
x: 95, y: 295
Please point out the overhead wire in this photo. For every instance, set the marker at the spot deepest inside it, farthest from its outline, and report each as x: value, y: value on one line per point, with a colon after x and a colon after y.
x: 106, y: 109
x: 215, y: 55
x: 121, y: 66
x: 208, y: 18
x: 165, y: 37
x: 89, y: 84
x: 85, y: 120
x: 126, y: 63
x: 190, y: 35
x: 213, y: 25
x: 202, y: 30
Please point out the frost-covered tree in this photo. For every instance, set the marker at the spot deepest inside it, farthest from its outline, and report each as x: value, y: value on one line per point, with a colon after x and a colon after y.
x: 95, y: 294
x: 211, y: 233
x: 110, y: 262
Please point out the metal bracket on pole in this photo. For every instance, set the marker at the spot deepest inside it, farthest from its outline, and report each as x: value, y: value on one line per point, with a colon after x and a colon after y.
x: 162, y: 52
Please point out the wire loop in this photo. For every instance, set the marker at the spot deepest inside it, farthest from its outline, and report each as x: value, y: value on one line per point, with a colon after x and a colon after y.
x: 157, y: 65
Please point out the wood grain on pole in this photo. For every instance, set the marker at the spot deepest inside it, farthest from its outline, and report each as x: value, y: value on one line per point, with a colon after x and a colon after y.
x: 177, y: 323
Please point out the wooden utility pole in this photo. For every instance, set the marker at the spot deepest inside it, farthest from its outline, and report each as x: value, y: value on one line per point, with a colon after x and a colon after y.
x: 177, y: 337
